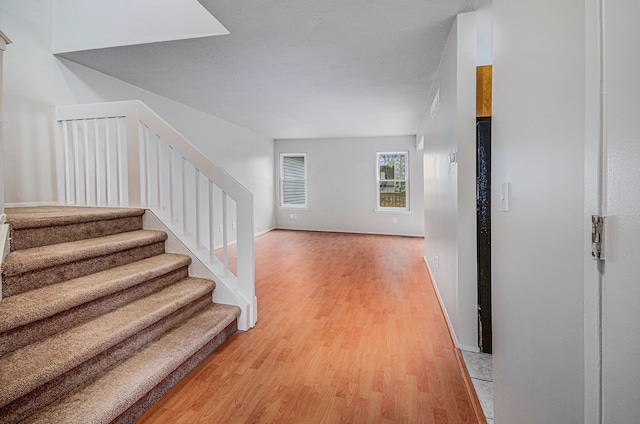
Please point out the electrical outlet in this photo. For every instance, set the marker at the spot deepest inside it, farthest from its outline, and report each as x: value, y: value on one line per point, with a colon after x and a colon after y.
x: 395, y: 220
x: 220, y: 228
x: 436, y: 260
x: 233, y: 225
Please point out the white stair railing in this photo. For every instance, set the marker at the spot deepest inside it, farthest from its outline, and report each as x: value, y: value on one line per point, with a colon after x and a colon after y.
x: 123, y: 154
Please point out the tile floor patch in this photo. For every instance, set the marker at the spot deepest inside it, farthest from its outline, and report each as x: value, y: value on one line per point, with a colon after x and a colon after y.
x: 480, y: 369
x: 479, y: 365
x: 484, y: 390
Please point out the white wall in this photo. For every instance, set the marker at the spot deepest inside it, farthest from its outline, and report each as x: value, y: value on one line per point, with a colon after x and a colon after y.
x: 36, y: 82
x: 484, y: 16
x: 450, y: 191
x: 3, y: 45
x: 341, y: 186
x: 538, y: 146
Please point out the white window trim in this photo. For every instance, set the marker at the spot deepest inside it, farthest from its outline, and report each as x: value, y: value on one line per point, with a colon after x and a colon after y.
x: 281, y: 179
x: 407, y: 181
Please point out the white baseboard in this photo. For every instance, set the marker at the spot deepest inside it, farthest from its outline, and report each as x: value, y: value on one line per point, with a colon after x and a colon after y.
x: 446, y: 314
x: 348, y: 232
x: 469, y: 348
x: 261, y: 233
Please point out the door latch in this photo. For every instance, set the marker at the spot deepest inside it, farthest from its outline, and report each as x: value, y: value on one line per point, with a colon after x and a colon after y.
x: 597, y: 234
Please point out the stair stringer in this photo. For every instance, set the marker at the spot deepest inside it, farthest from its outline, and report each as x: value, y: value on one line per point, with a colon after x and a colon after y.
x: 225, y: 291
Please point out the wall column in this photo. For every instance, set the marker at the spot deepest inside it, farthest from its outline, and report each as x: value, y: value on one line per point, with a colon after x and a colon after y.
x: 4, y: 40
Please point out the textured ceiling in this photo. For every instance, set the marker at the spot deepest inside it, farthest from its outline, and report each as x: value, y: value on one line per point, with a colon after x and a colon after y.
x: 300, y: 69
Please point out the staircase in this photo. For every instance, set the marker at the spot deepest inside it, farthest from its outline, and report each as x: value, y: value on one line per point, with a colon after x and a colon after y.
x: 97, y: 322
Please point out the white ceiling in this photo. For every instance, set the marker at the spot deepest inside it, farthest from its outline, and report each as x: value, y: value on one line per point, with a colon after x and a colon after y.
x: 300, y: 69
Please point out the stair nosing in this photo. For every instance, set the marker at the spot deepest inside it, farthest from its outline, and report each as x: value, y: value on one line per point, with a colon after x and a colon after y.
x: 23, y: 221
x: 112, y: 395
x: 110, y: 284
x: 26, y: 260
x: 13, y: 388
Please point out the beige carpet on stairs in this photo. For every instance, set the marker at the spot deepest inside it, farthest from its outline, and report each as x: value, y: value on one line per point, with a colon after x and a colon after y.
x: 97, y: 321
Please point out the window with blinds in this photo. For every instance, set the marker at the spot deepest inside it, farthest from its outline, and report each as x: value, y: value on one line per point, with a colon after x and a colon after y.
x: 293, y: 180
x: 393, y: 180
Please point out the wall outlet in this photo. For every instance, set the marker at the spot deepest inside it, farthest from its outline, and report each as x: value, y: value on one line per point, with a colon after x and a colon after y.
x: 436, y: 260
x: 220, y: 228
x: 293, y: 216
x: 233, y: 225
x: 395, y: 220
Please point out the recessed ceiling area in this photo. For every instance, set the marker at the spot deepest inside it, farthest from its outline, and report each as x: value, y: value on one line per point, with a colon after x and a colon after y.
x: 93, y: 24
x: 292, y: 69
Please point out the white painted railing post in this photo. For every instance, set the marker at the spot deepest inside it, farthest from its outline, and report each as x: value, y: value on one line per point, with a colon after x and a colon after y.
x: 245, y: 259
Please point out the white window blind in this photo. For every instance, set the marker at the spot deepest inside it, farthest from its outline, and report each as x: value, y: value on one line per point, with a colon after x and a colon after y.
x: 293, y: 180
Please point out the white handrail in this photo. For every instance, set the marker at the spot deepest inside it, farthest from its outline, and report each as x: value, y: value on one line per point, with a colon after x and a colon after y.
x: 123, y: 154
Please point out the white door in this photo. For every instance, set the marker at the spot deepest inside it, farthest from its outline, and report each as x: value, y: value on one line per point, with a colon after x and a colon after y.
x: 620, y: 292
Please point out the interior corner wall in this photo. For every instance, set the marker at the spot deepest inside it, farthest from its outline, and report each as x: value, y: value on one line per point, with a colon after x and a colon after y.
x: 538, y: 138
x: 341, y: 186
x: 450, y: 189
x: 36, y: 82
x: 2, y: 217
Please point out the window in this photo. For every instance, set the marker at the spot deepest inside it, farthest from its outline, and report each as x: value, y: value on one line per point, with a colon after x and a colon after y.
x: 293, y: 180
x: 393, y: 180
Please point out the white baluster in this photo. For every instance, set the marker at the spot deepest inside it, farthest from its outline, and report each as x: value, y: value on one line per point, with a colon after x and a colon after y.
x: 76, y: 161
x: 171, y: 181
x: 67, y: 163
x: 211, y: 224
x: 197, y: 199
x: 183, y: 164
x: 107, y: 162
x: 87, y: 200
x: 225, y: 244
x: 97, y: 165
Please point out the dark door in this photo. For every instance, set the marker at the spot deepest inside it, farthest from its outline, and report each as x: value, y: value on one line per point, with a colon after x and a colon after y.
x: 483, y: 210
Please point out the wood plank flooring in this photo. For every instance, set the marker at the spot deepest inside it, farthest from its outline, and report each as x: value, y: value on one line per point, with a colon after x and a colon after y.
x: 349, y: 331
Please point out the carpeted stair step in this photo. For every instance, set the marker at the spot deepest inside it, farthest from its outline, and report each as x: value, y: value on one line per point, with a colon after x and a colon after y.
x: 38, y: 374
x: 47, y: 225
x: 37, y: 267
x: 124, y: 392
x: 31, y: 316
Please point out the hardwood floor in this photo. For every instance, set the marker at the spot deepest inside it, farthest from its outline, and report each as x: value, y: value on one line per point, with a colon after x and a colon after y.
x: 349, y: 331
